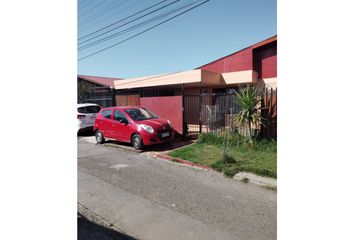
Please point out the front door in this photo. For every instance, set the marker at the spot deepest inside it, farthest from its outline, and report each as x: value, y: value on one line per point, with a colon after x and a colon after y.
x: 121, y: 127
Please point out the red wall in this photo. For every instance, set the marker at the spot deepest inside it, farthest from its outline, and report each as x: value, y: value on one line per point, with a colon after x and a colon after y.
x: 262, y: 58
x: 239, y: 61
x: 266, y: 60
x: 166, y: 107
x: 269, y: 67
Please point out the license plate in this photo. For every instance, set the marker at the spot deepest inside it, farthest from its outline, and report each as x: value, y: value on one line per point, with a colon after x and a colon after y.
x: 165, y: 134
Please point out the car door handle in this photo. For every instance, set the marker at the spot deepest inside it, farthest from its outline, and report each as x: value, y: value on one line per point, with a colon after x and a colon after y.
x: 113, y: 125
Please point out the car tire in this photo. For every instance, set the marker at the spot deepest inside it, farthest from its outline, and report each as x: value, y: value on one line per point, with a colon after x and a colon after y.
x: 137, y: 142
x: 99, y: 137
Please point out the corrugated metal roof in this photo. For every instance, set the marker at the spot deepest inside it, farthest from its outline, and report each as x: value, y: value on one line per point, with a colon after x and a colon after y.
x: 104, y: 81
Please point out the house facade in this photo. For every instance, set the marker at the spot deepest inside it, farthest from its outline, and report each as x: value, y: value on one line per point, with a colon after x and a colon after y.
x: 93, y: 89
x: 190, y: 98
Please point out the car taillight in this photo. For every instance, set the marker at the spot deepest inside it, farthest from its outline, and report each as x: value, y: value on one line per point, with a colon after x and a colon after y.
x: 80, y: 116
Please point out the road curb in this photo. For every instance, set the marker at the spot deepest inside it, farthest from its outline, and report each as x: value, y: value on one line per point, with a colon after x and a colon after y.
x: 179, y: 160
x: 266, y: 182
x: 246, y: 177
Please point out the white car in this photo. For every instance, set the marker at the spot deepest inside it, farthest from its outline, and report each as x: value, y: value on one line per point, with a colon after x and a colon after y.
x: 86, y: 115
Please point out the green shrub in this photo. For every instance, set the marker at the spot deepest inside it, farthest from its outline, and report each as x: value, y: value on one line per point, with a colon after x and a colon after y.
x: 231, y: 170
x: 219, y: 139
x: 210, y: 138
x: 218, y: 166
x: 259, y: 159
x: 235, y: 139
x: 267, y: 145
x: 228, y: 158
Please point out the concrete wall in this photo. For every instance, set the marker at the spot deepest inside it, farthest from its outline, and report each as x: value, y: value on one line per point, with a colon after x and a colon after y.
x: 169, y: 108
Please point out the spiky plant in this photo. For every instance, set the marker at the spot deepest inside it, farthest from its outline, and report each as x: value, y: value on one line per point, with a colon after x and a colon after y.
x: 249, y: 99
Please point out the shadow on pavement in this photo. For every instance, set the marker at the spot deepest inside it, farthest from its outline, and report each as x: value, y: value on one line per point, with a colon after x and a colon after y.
x: 88, y: 230
x: 86, y: 133
x: 167, y: 146
x: 162, y: 147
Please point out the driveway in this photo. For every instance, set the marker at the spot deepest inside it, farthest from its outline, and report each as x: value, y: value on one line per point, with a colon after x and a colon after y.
x: 148, y: 198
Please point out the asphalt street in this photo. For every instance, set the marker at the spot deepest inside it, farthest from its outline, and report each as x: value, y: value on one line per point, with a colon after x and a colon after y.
x: 149, y: 198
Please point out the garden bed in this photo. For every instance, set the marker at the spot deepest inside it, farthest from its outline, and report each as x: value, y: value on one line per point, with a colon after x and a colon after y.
x: 209, y: 150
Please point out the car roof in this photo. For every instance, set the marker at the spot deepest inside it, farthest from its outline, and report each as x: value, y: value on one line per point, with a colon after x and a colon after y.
x: 121, y: 107
x: 86, y: 104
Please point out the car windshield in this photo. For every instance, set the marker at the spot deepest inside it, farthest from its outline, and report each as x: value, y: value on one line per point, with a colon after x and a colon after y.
x: 139, y: 114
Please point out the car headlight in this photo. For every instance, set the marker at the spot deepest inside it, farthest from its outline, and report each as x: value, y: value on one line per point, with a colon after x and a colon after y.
x: 169, y: 123
x: 148, y: 128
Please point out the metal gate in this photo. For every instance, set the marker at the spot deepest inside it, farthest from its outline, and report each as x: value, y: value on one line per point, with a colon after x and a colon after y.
x: 208, y: 112
x: 211, y: 112
x: 191, y: 119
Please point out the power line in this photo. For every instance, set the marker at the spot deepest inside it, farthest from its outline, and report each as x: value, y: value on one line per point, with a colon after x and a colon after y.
x: 84, y: 5
x: 103, y: 11
x: 112, y: 24
x: 94, y: 7
x: 159, y: 17
x: 156, y: 18
x: 112, y: 15
x: 158, y: 9
x: 92, y: 54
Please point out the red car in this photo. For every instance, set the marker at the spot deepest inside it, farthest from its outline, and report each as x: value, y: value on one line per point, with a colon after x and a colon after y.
x: 135, y: 125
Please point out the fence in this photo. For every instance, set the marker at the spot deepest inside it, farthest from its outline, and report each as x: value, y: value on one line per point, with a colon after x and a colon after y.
x: 269, y: 113
x: 217, y: 112
x: 102, y: 96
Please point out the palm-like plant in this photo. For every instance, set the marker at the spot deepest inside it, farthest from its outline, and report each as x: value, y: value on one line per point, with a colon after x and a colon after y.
x: 249, y: 99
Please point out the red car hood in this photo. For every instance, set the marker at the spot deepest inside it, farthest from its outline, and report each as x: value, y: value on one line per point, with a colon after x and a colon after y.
x: 154, y: 123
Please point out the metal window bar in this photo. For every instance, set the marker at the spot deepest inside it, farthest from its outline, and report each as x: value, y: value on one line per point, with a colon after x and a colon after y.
x: 215, y: 112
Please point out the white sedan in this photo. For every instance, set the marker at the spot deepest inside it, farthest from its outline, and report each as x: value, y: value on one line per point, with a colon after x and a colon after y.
x: 86, y: 115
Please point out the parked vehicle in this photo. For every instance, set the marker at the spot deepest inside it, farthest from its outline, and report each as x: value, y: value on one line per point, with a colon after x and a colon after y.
x: 86, y: 114
x: 135, y: 125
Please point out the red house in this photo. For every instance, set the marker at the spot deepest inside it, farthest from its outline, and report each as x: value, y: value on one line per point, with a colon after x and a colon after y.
x: 191, y: 98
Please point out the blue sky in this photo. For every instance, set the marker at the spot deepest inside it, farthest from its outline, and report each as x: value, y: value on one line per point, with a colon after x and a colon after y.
x: 204, y: 34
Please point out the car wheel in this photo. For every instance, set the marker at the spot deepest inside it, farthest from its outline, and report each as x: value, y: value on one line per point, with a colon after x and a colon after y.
x: 99, y: 137
x: 137, y: 142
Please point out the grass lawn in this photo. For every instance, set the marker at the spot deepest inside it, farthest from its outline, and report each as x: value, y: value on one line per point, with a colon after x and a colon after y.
x: 261, y: 160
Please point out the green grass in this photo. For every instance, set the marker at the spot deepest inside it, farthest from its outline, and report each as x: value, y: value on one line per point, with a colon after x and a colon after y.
x: 259, y: 159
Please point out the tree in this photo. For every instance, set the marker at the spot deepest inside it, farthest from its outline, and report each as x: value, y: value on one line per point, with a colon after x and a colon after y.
x: 83, y: 92
x: 249, y: 99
